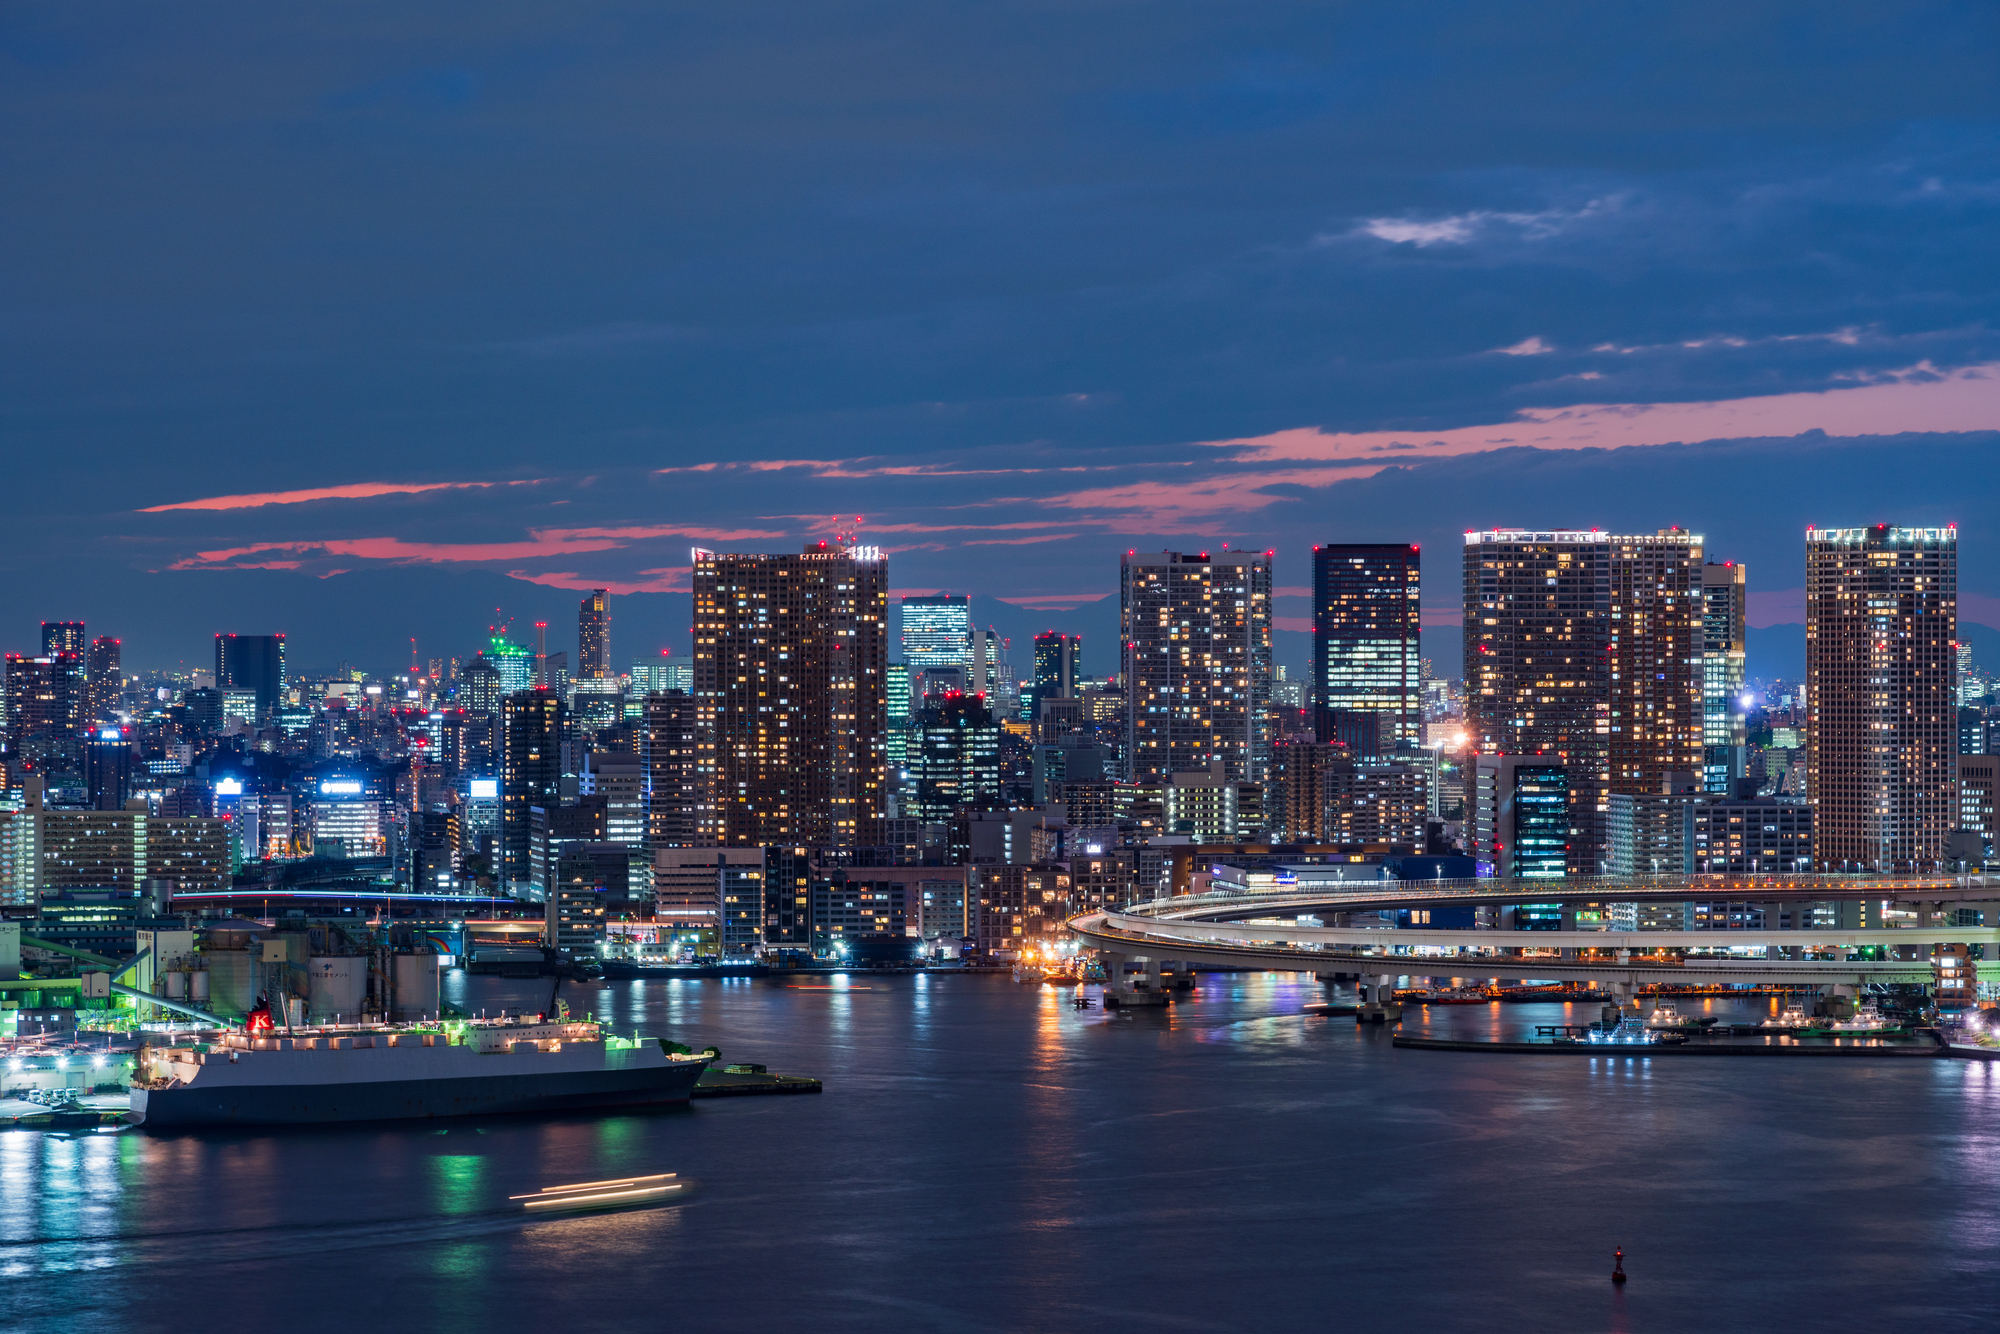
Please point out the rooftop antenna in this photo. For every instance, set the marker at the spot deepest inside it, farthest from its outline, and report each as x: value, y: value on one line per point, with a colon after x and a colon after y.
x: 541, y: 653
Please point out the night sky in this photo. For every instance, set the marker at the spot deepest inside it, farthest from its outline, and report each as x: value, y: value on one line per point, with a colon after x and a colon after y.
x: 363, y: 321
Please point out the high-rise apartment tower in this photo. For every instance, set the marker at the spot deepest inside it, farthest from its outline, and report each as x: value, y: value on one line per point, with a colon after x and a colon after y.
x: 1881, y: 726
x: 593, y: 637
x: 1196, y: 661
x: 790, y: 679
x: 1584, y: 648
x: 103, y: 670
x: 63, y: 637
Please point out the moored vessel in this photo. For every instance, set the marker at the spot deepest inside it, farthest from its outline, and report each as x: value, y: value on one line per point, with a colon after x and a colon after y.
x: 383, y: 1072
x: 1868, y: 1019
x: 1794, y: 1017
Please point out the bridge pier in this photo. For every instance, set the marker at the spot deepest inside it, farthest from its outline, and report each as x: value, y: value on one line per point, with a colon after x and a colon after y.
x: 1378, y: 1003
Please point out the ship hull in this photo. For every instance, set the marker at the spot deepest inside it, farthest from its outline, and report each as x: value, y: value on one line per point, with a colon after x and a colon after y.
x: 415, y: 1099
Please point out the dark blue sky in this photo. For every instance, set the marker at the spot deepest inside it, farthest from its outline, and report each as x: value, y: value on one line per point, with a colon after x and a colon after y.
x: 616, y: 279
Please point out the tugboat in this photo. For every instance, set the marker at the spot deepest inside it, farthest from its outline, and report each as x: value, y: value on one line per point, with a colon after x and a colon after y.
x: 1666, y: 1019
x: 1793, y: 1019
x: 1869, y: 1019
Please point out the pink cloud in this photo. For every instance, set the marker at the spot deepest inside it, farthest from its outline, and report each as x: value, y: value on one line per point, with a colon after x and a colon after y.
x: 541, y: 542
x: 1018, y: 541
x: 1915, y: 399
x: 1290, y: 591
x: 352, y: 491
x: 1154, y: 507
x: 1301, y: 624
x: 1441, y: 616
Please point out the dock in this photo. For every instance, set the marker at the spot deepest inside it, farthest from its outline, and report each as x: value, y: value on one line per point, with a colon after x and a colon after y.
x: 1918, y: 1053
x: 88, y: 1112
x: 749, y: 1081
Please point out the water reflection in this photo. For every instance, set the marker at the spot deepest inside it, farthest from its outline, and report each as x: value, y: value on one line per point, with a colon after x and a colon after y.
x: 986, y: 1156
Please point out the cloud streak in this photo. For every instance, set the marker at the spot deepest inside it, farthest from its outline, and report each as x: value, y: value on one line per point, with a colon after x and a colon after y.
x: 1967, y: 399
x: 396, y: 550
x: 348, y: 491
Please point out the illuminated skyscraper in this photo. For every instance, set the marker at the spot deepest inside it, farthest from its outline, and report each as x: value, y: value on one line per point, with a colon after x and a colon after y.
x: 896, y: 738
x: 1881, y: 726
x: 1585, y: 648
x: 515, y: 663
x: 680, y: 801
x: 1724, y: 597
x: 530, y: 775
x: 1656, y: 647
x: 937, y: 631
x: 593, y: 637
x: 252, y: 662
x: 791, y: 679
x: 63, y: 637
x: 103, y: 672
x: 954, y: 759
x: 42, y: 698
x: 481, y: 687
x: 1196, y: 633
x: 1057, y: 660
x: 1368, y: 645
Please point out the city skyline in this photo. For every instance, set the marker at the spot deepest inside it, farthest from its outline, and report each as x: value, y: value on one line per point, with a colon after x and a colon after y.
x: 499, y: 406
x: 645, y: 641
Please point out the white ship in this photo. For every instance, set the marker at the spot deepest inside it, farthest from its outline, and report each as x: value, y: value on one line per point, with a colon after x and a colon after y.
x: 1869, y: 1019
x: 390, y: 1073
x: 1794, y: 1017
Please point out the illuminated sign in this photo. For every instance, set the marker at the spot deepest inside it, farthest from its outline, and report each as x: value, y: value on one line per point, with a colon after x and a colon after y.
x: 340, y: 787
x: 485, y: 789
x: 228, y: 787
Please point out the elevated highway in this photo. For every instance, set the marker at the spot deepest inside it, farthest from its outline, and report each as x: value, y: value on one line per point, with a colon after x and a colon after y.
x: 1496, y: 955
x: 1943, y: 890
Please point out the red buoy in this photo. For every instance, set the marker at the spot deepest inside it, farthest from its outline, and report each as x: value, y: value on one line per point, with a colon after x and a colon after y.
x: 1618, y: 1265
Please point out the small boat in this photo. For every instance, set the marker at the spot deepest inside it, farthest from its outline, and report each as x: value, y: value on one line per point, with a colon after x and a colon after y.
x: 1869, y: 1019
x: 1667, y: 1019
x: 1629, y: 1031
x: 1794, y: 1017
x: 1455, y: 996
x: 623, y: 1193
